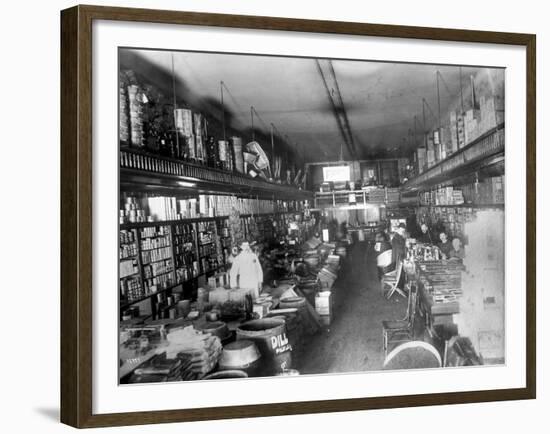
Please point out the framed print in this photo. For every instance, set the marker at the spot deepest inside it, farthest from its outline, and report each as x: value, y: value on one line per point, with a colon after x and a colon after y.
x: 270, y: 216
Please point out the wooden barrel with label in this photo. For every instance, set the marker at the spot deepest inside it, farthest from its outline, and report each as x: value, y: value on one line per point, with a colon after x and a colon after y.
x: 270, y: 336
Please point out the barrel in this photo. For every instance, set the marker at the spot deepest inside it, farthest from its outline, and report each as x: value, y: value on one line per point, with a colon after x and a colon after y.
x: 292, y: 302
x: 223, y: 375
x: 270, y: 336
x: 295, y: 323
x: 242, y: 355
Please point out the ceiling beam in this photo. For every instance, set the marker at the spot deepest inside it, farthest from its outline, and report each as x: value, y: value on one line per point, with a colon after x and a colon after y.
x: 330, y: 82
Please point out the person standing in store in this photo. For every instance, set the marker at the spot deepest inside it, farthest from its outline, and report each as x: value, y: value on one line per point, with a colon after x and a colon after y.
x: 445, y: 246
x: 424, y: 235
x: 398, y: 244
x: 457, y: 252
x: 246, y: 271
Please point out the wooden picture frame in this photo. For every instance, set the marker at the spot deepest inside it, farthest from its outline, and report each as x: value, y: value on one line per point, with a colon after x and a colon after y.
x: 76, y: 214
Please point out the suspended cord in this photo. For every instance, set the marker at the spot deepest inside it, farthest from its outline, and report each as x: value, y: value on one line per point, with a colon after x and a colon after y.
x: 445, y: 84
x: 174, y: 101
x: 429, y: 108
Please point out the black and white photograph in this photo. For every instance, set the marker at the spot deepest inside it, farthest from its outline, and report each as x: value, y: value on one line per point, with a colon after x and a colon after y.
x: 291, y: 216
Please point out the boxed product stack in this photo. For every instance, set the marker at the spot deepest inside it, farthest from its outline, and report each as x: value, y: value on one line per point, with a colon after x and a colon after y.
x: 460, y: 130
x: 491, y: 191
x: 393, y: 196
x: 183, y: 119
x: 199, y: 128
x: 471, y: 125
x: 453, y: 132
x: 219, y: 280
x: 439, y: 151
x: 160, y: 369
x: 376, y: 195
x: 323, y: 306
x: 498, y: 189
x: 430, y: 153
x: 136, y: 100
x: 420, y: 160
x: 201, y: 350
x: 123, y: 120
x: 488, y: 117
x: 458, y: 198
x: 446, y: 142
x: 187, y: 208
x: 237, y: 144
x: 162, y: 208
x: 133, y: 211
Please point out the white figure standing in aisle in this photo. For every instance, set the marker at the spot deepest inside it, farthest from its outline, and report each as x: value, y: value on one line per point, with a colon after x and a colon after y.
x: 246, y: 271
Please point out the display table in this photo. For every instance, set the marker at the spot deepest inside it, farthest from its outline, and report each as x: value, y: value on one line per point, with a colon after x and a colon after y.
x: 439, y: 288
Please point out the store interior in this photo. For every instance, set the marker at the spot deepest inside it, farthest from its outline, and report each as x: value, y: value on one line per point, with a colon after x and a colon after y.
x: 293, y: 216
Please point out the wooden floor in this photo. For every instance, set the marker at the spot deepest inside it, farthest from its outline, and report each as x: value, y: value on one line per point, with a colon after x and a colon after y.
x: 353, y: 342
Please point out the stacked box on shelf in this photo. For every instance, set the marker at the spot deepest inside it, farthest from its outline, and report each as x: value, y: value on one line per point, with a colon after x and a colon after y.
x: 162, y: 208
x: 156, y: 258
x: 468, y: 193
x: 453, y: 131
x: 488, y: 116
x: 461, y: 133
x: 376, y: 195
x: 457, y: 197
x: 430, y: 151
x: 393, y: 196
x: 224, y: 235
x: 471, y: 125
x: 206, y: 241
x: 130, y: 279
x: 185, y: 251
x: 496, y: 189
x: 420, y: 160
x: 446, y: 142
x: 436, y: 134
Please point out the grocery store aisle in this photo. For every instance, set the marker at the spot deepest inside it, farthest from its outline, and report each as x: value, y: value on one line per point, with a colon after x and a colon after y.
x: 354, y: 340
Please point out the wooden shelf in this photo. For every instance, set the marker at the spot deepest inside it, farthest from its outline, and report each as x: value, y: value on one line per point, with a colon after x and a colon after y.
x: 467, y: 205
x: 486, y: 150
x: 197, y: 179
x: 168, y: 222
x: 195, y: 220
x: 173, y: 236
x: 145, y: 297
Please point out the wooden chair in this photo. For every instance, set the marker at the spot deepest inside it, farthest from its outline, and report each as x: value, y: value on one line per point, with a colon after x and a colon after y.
x: 384, y: 259
x: 391, y: 280
x: 400, y: 330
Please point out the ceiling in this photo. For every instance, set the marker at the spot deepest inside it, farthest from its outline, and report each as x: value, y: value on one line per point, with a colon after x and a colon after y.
x: 378, y: 100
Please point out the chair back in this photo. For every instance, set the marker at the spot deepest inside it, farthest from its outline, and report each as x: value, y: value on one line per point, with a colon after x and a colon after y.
x: 411, y: 304
x: 384, y: 258
x: 398, y: 270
